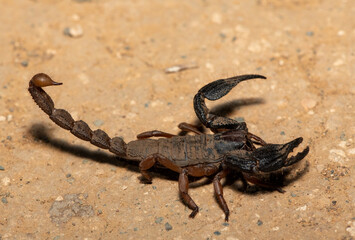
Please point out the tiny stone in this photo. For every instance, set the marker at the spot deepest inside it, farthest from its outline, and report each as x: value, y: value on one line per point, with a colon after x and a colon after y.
x: 98, y: 123
x: 4, y: 200
x: 222, y: 35
x: 308, y: 104
x: 334, y: 202
x: 168, y: 227
x: 24, y: 63
x: 239, y: 119
x: 338, y: 62
x: 9, y: 138
x: 260, y: 222
x: 282, y: 133
x: 309, y: 33
x: 341, y: 33
x: 217, y: 233
x: 6, y: 181
x: 293, y: 195
x: 342, y: 137
x: 154, y: 187
x: 159, y: 220
x: 74, y: 32
x: 68, y: 175
x: 217, y: 18
x: 2, y: 168
x: 225, y: 224
x: 135, y: 229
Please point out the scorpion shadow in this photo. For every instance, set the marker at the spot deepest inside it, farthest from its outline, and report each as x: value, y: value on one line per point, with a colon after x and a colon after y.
x: 41, y: 133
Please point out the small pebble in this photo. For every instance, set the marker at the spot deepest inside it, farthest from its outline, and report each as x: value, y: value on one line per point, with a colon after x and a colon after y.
x: 217, y: 233
x: 74, y: 32
x: 98, y: 123
x: 2, y: 168
x: 239, y: 119
x: 216, y: 18
x: 68, y: 175
x: 308, y: 103
x: 282, y: 133
x: 168, y: 227
x: 24, y: 63
x: 310, y: 33
x: 179, y: 68
x: 342, y: 137
x: 6, y: 181
x: 4, y: 200
x: 260, y: 222
x: 159, y: 220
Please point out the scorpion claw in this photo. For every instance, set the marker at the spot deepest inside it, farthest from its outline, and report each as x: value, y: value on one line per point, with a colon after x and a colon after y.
x: 274, y: 156
x: 213, y: 91
x: 268, y: 158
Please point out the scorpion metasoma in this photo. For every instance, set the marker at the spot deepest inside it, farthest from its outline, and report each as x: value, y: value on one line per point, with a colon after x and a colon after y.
x: 230, y: 150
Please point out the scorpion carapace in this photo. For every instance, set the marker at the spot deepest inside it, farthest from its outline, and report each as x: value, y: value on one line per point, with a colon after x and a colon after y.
x: 230, y: 150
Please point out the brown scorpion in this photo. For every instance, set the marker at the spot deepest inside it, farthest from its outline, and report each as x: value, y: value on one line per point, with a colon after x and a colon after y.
x: 230, y: 150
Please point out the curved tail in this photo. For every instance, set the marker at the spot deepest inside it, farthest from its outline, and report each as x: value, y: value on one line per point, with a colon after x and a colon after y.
x: 63, y: 119
x: 214, y: 91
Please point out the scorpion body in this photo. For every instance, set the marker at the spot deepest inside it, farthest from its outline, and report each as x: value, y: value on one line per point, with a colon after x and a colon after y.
x: 231, y: 149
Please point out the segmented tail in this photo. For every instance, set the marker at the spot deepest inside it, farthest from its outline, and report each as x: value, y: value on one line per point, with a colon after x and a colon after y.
x: 63, y: 119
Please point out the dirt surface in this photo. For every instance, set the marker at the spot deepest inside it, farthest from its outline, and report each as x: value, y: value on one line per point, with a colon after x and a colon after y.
x: 111, y: 57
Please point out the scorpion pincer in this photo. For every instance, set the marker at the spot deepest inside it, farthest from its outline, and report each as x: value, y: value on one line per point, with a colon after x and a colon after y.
x: 229, y: 150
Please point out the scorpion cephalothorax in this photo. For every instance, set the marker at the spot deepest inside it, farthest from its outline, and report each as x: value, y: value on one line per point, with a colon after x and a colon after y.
x: 230, y: 149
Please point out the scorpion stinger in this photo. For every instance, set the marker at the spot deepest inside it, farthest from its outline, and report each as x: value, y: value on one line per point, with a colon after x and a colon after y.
x: 214, y: 91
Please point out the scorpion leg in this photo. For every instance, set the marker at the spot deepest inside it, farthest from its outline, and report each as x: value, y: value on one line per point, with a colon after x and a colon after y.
x: 146, y: 164
x: 154, y: 133
x: 214, y: 91
x: 255, y: 139
x: 187, y: 127
x: 219, y: 191
x: 184, y: 188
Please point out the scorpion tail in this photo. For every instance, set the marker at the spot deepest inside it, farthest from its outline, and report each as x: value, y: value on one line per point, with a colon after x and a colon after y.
x: 63, y: 119
x: 214, y: 91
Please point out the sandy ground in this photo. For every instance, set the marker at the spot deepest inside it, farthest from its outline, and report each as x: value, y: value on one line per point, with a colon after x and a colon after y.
x: 111, y: 57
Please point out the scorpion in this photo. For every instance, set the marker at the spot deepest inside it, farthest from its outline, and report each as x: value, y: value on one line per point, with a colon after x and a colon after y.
x: 230, y: 150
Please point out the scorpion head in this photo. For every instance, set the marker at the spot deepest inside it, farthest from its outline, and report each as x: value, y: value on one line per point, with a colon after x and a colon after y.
x: 268, y: 158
